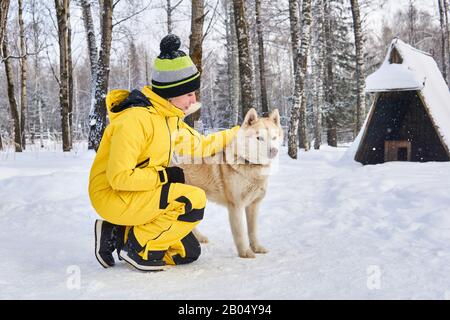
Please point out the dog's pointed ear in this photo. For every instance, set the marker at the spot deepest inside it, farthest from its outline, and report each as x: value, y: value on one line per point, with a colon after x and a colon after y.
x: 275, y: 117
x: 251, y: 117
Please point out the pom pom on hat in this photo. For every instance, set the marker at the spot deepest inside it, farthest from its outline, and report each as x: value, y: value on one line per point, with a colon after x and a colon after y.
x: 170, y: 47
x: 170, y: 43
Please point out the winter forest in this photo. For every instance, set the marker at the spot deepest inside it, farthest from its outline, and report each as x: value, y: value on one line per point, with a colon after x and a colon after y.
x: 355, y: 204
x: 307, y: 58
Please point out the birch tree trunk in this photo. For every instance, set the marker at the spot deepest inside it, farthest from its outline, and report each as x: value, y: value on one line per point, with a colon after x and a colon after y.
x: 23, y: 74
x: 15, y: 116
x: 196, y: 46
x: 317, y: 115
x: 319, y: 77
x: 447, y: 32
x: 245, y: 65
x: 76, y: 114
x: 305, y: 53
x: 298, y: 111
x: 37, y: 73
x: 169, y: 17
x: 329, y: 79
x: 262, y: 60
x: 98, y: 113
x: 233, y: 62
x: 235, y: 80
x: 95, y: 116
x: 295, y: 31
x: 62, y: 7
x: 169, y: 10
x: 70, y: 75
x: 4, y: 7
x: 444, y: 45
x: 91, y: 41
x: 360, y: 78
x: 294, y: 21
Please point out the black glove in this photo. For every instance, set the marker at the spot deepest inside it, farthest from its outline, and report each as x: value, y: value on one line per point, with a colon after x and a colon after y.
x: 175, y: 175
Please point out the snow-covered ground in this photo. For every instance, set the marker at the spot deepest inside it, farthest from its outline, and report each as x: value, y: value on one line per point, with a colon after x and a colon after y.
x: 335, y: 229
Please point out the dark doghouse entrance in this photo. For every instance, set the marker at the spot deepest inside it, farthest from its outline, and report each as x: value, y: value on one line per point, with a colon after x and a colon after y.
x: 402, y: 154
x: 397, y: 151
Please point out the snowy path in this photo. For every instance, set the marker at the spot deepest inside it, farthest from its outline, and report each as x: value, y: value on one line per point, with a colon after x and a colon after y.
x: 331, y: 228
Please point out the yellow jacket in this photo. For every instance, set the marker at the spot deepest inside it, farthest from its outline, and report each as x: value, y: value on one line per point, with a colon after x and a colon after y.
x: 136, y: 147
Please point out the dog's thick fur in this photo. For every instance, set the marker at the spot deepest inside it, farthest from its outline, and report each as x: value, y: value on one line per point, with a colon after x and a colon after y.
x: 240, y: 184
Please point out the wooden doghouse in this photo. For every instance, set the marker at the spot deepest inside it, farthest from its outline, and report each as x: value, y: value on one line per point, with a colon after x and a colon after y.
x: 410, y: 117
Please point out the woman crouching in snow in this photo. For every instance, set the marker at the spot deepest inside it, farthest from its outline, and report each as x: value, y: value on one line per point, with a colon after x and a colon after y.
x: 149, y: 211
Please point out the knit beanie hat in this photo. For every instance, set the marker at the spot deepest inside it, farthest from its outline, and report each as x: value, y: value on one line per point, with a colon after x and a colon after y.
x: 174, y: 73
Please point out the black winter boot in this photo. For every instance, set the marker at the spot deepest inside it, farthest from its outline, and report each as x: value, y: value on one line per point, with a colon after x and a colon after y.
x: 108, y: 237
x: 130, y: 253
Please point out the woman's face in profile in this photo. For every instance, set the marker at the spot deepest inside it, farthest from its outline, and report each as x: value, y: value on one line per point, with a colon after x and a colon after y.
x: 184, y: 102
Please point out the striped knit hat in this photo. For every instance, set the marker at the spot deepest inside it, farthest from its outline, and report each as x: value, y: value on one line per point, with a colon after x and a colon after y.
x: 174, y: 73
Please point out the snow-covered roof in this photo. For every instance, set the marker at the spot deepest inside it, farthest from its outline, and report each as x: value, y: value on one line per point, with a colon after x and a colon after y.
x: 417, y: 71
x: 393, y: 77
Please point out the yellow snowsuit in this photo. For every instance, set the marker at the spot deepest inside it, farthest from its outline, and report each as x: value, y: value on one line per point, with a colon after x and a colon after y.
x: 128, y: 184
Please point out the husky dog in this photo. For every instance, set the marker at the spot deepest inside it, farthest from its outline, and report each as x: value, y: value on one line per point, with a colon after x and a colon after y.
x: 237, y: 177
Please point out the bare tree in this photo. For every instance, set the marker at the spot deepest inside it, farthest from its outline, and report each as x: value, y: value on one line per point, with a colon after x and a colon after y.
x: 15, y: 115
x: 62, y: 11
x: 4, y: 7
x: 102, y: 80
x: 99, y: 67
x: 261, y: 57
x: 447, y: 32
x: 444, y: 41
x: 329, y: 78
x: 245, y: 64
x: 317, y: 109
x: 91, y: 41
x: 294, y: 23
x: 100, y: 63
x: 169, y: 10
x: 97, y: 113
x: 360, y: 78
x: 298, y: 111
x: 196, y: 46
x: 319, y: 76
x: 295, y: 31
x: 70, y: 74
x: 36, y: 37
x: 412, y: 17
x: 169, y: 17
x: 233, y: 61
x: 23, y: 74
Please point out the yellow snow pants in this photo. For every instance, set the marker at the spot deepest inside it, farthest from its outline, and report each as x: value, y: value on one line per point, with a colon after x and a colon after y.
x: 169, y: 235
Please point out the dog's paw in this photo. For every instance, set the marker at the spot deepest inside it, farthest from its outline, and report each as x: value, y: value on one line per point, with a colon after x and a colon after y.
x: 259, y: 249
x: 248, y: 253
